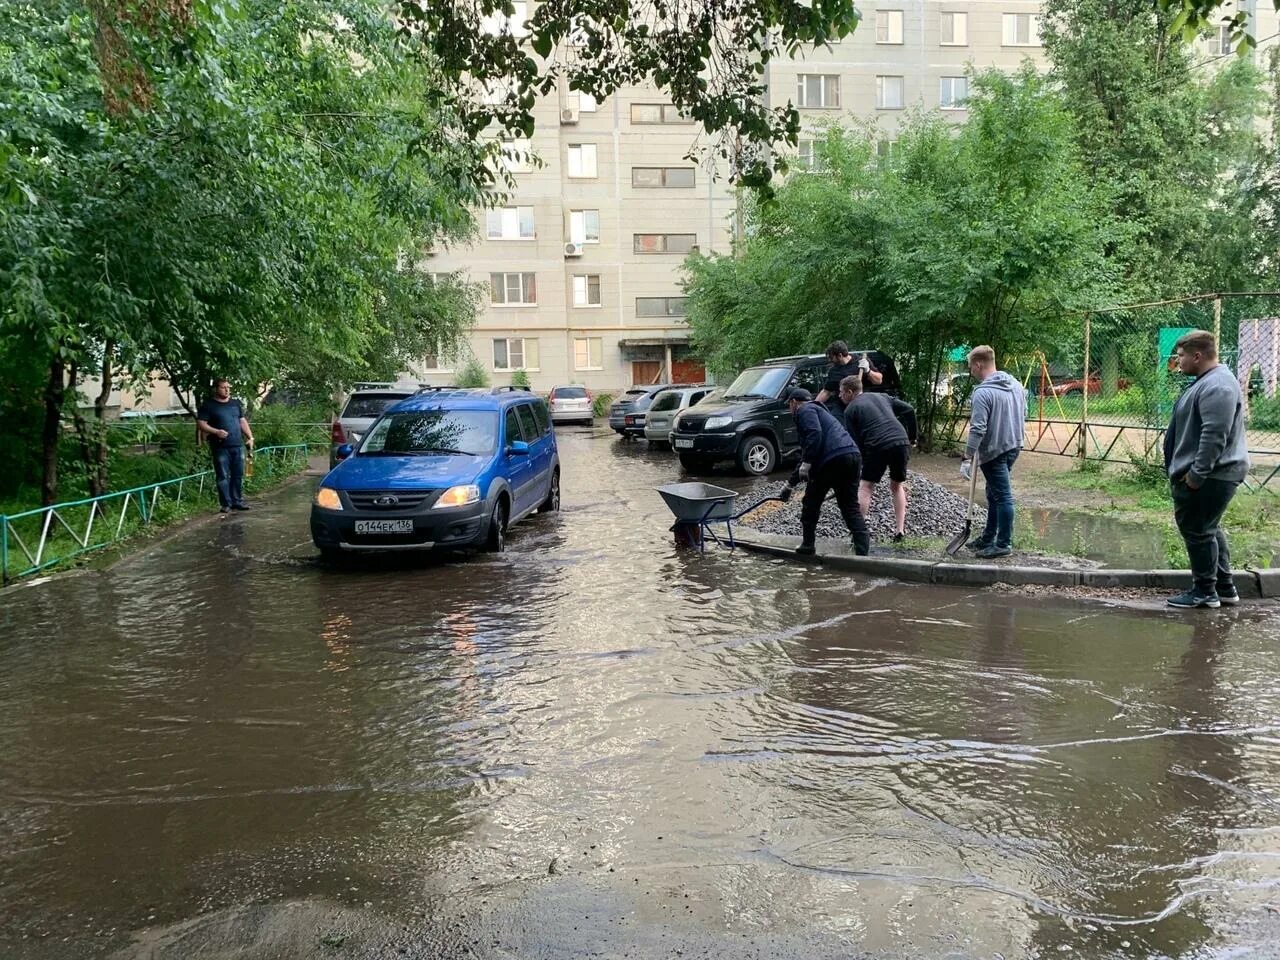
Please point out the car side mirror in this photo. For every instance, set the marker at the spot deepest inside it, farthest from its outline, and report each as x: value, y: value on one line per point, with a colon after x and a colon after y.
x: 345, y: 450
x: 518, y: 448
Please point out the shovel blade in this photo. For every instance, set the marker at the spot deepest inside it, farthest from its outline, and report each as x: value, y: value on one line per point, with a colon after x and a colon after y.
x: 959, y: 539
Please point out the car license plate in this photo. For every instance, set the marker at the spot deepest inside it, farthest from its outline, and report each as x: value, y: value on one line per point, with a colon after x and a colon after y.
x: 683, y: 444
x: 384, y: 526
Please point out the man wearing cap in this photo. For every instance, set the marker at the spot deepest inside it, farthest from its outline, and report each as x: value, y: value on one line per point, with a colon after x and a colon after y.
x: 829, y: 460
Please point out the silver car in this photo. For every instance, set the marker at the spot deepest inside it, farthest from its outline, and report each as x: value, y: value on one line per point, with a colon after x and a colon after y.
x: 364, y: 406
x: 665, y: 406
x: 571, y: 404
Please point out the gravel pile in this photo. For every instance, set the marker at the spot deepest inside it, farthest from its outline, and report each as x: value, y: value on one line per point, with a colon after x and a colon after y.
x: 932, y: 511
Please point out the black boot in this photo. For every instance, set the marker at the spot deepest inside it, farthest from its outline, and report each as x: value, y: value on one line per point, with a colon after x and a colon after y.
x: 806, y: 548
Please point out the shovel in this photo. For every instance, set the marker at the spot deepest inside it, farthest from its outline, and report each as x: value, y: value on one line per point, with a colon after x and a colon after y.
x: 962, y: 537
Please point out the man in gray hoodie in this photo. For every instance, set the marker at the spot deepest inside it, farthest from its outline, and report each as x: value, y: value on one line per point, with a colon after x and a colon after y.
x: 995, y: 439
x: 1206, y: 457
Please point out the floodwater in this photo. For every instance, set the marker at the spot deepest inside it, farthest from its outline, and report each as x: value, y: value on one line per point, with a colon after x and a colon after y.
x: 598, y: 745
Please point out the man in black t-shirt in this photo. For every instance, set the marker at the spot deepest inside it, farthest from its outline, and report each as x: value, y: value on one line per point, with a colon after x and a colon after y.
x: 222, y: 421
x: 884, y: 429
x: 843, y: 364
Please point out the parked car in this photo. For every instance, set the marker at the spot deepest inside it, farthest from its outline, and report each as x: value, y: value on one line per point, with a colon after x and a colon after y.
x: 634, y: 403
x: 665, y: 406
x: 1076, y: 387
x: 749, y: 423
x: 444, y: 469
x: 571, y: 404
x: 365, y: 405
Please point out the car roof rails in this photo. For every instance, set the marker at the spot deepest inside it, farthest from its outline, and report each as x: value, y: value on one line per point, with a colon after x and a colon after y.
x: 372, y: 385
x: 436, y: 388
x: 510, y: 388
x: 798, y: 356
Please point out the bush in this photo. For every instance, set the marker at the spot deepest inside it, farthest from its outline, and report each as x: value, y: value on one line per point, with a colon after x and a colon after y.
x: 1147, y: 471
x: 600, y: 405
x: 473, y: 375
x: 520, y: 379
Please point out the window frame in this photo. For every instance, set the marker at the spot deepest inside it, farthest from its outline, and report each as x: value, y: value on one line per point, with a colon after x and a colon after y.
x: 595, y: 161
x: 667, y: 301
x: 587, y: 302
x: 532, y: 235
x: 599, y: 341
x: 1010, y: 38
x: 663, y: 176
x: 963, y: 20
x: 962, y: 104
x: 826, y: 82
x: 582, y: 213
x: 530, y: 430
x: 881, y: 101
x: 665, y: 242
x: 525, y: 287
x: 524, y: 354
x: 885, y: 18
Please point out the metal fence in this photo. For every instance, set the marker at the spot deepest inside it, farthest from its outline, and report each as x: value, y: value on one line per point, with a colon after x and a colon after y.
x: 1104, y: 383
x: 35, y: 540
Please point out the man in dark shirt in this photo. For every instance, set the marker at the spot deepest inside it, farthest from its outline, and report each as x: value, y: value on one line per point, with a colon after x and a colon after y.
x: 884, y: 428
x: 222, y: 421
x: 843, y: 364
x: 828, y: 460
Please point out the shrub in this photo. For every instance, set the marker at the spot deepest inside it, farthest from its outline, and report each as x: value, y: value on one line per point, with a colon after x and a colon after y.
x: 520, y: 379
x: 600, y: 405
x: 472, y: 375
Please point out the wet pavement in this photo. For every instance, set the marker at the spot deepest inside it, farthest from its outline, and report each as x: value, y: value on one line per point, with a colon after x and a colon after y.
x: 597, y: 745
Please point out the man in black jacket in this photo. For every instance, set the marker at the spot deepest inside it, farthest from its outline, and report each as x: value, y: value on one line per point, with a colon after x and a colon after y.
x: 829, y: 460
x: 884, y: 428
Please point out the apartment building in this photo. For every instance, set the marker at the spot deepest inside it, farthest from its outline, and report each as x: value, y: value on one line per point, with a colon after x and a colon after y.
x: 583, y: 267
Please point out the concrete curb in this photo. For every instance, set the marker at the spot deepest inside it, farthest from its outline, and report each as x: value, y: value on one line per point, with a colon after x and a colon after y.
x: 1252, y: 584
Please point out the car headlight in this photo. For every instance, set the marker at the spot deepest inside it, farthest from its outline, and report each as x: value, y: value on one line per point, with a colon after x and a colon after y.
x: 327, y: 497
x: 458, y: 496
x: 715, y: 423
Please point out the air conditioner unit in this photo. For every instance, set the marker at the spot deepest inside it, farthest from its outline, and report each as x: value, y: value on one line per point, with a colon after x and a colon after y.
x: 569, y: 115
x: 572, y: 249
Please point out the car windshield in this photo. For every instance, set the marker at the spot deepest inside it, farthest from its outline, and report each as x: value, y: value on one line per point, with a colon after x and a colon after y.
x: 764, y: 382
x: 370, y: 404
x: 666, y: 401
x: 570, y: 393
x: 473, y: 432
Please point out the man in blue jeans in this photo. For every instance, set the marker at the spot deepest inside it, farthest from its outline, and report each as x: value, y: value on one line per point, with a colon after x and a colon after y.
x: 995, y: 438
x: 222, y: 421
x: 1206, y: 457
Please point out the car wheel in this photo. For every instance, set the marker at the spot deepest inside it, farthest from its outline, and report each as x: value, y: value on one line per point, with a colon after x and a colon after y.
x: 552, y: 503
x: 757, y: 456
x: 496, y: 541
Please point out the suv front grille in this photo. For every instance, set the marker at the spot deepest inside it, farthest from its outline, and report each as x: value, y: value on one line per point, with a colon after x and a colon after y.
x: 689, y: 424
x: 404, y: 499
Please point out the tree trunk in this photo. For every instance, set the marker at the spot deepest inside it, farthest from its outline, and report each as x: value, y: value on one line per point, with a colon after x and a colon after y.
x: 55, y: 392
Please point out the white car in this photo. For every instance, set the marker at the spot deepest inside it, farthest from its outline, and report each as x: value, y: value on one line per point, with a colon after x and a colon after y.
x: 571, y: 403
x: 666, y: 407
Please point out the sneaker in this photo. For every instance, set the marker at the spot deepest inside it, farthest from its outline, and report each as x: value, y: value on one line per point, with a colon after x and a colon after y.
x: 1229, y: 596
x: 224, y: 509
x: 1192, y: 599
x: 899, y: 537
x: 991, y: 552
x: 805, y: 550
x: 976, y: 544
x: 239, y: 506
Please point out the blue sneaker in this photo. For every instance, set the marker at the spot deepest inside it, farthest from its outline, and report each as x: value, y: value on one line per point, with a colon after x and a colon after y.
x: 1192, y: 599
x: 1229, y: 596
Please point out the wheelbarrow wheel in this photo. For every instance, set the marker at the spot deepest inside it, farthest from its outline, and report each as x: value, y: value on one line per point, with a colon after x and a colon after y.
x: 757, y: 456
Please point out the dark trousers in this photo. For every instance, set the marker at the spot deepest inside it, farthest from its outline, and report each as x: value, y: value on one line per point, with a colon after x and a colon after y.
x: 999, y: 529
x: 1198, y: 514
x: 840, y: 474
x: 228, y: 470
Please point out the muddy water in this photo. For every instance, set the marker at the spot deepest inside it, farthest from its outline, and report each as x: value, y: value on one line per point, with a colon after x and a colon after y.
x: 597, y: 745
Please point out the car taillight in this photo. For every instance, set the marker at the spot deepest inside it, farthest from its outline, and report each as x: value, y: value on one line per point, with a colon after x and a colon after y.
x: 588, y: 394
x: 336, y: 433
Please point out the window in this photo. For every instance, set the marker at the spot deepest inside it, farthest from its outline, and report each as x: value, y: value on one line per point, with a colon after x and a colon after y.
x: 1220, y: 40
x: 660, y: 306
x: 510, y: 223
x: 804, y: 154
x: 527, y: 425
x: 512, y: 289
x: 817, y: 90
x: 516, y: 156
x: 955, y: 29
x: 586, y: 289
x: 435, y: 361
x: 657, y: 113
x: 515, y: 353
x: 888, y: 26
x: 889, y: 93
x: 587, y: 103
x: 542, y: 417
x: 582, y: 159
x: 664, y: 242
x: 421, y: 431
x: 884, y: 148
x: 497, y: 22
x: 584, y: 226
x: 588, y: 353
x: 1021, y: 30
x: 674, y: 177
x: 954, y: 91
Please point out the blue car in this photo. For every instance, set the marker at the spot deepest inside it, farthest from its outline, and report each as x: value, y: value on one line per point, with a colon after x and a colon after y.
x: 444, y: 469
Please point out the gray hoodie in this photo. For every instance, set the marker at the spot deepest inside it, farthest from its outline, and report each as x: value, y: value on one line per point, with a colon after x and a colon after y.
x: 999, y: 408
x: 1205, y: 436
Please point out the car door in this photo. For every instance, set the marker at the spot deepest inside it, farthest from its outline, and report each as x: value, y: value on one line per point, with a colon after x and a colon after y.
x: 517, y: 467
x: 810, y: 378
x: 539, y: 452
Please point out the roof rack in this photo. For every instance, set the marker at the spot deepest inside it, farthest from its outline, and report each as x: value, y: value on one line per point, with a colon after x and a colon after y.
x: 436, y: 388
x: 510, y: 388
x: 798, y: 356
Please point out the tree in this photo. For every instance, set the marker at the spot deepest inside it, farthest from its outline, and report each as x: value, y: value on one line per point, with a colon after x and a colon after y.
x: 710, y: 56
x: 988, y: 233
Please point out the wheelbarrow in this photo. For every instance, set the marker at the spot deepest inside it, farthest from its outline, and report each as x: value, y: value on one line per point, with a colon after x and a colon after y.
x: 697, y: 505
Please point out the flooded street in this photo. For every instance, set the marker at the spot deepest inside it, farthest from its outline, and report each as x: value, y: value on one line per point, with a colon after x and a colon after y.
x: 596, y: 745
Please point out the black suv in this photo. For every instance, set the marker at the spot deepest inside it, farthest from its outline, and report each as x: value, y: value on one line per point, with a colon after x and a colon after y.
x: 750, y: 423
